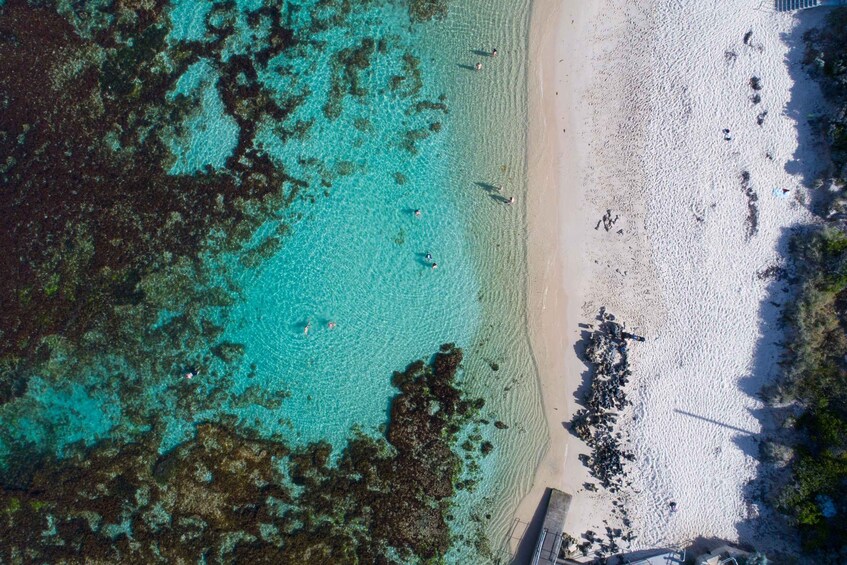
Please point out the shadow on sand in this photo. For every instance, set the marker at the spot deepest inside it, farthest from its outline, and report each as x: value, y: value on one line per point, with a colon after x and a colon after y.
x: 766, y: 529
x: 528, y: 533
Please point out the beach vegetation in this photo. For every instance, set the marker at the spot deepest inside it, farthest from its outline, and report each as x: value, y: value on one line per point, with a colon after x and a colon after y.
x: 816, y: 378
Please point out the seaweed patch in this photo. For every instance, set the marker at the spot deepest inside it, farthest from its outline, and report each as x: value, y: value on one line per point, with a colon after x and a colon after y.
x: 230, y: 496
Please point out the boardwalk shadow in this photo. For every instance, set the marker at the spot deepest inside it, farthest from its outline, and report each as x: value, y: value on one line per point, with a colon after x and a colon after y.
x: 529, y: 538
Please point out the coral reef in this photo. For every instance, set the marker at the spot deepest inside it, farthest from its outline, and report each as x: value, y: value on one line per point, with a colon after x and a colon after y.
x: 229, y: 496
x: 112, y: 259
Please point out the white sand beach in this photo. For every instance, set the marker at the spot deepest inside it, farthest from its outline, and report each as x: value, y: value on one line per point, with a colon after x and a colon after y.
x: 629, y: 103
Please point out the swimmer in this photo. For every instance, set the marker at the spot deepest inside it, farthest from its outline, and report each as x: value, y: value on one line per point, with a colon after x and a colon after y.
x: 331, y: 325
x: 479, y: 66
x: 417, y: 213
x: 511, y: 200
x: 307, y: 327
x: 493, y: 52
x: 429, y: 256
x: 435, y: 265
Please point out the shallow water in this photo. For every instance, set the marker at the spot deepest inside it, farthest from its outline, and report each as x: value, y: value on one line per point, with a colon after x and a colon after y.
x: 345, y: 249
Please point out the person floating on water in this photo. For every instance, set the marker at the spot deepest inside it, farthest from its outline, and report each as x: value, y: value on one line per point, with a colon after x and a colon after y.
x: 479, y: 66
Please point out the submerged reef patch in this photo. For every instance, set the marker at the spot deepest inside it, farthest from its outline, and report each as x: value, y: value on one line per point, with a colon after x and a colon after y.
x: 227, y: 495
x: 117, y: 263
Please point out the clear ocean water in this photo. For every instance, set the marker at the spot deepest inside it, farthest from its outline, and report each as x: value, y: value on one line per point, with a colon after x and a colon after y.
x: 350, y: 294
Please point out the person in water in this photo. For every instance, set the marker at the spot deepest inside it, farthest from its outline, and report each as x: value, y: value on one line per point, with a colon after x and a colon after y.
x: 417, y: 213
x: 511, y: 200
x: 479, y: 66
x: 331, y: 325
x: 307, y: 327
x: 494, y: 52
x: 435, y: 265
x: 429, y: 256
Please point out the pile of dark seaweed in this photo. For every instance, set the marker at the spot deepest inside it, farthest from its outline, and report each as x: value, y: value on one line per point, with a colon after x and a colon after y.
x: 594, y: 424
x: 226, y: 497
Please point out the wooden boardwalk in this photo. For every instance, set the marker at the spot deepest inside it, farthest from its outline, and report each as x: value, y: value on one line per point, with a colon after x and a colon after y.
x: 550, y: 538
x: 794, y: 5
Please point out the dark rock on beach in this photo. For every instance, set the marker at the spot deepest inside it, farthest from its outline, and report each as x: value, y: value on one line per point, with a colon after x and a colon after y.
x: 607, y: 354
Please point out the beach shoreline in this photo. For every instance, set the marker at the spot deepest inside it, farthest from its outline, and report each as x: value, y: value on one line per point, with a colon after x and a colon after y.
x: 686, y: 218
x: 555, y: 281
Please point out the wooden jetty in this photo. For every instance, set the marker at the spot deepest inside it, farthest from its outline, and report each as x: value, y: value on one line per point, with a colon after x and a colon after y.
x: 550, y: 538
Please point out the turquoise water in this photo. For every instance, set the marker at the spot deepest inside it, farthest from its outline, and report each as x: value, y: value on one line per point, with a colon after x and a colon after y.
x: 346, y: 248
x: 356, y: 255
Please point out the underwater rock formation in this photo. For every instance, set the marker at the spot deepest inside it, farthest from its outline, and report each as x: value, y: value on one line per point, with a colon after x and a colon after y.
x: 229, y: 496
x: 112, y: 245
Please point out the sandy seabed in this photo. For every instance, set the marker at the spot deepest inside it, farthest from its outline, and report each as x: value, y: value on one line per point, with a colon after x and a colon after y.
x: 630, y: 103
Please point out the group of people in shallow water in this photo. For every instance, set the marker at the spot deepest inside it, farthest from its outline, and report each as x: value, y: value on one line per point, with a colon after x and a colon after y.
x: 478, y: 65
x: 330, y: 324
x: 418, y: 213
